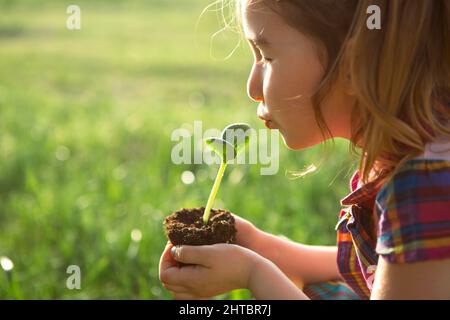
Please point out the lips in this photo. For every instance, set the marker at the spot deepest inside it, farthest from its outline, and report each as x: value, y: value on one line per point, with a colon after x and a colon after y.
x: 269, y: 124
x: 263, y: 114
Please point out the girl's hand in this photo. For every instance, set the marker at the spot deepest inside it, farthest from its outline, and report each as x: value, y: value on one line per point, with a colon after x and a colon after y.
x: 212, y: 270
x: 247, y: 233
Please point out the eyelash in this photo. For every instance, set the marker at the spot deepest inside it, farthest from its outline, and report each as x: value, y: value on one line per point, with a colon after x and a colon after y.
x: 266, y: 60
x: 261, y: 57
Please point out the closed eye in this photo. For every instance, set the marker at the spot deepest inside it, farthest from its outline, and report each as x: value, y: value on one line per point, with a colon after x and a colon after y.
x: 265, y: 59
x: 260, y: 57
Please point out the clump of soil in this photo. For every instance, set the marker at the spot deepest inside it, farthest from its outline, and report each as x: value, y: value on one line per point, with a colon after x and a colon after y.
x: 186, y: 227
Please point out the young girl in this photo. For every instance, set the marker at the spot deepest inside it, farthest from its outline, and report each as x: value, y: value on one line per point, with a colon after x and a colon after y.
x: 320, y: 72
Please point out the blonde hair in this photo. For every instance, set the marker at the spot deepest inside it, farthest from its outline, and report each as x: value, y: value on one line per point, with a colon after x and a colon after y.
x: 401, y: 78
x: 400, y: 75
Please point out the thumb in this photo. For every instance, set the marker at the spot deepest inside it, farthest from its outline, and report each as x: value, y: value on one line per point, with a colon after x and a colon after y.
x: 166, y: 261
x: 193, y: 254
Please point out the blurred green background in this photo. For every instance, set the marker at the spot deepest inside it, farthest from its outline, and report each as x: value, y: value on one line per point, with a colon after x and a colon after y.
x: 86, y: 117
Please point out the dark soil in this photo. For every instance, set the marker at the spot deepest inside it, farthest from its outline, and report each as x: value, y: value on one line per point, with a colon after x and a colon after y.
x: 185, y: 227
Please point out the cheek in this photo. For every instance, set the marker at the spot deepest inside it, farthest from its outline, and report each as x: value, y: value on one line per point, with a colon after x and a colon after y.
x: 289, y: 88
x: 302, y: 77
x: 290, y: 92
x: 292, y: 82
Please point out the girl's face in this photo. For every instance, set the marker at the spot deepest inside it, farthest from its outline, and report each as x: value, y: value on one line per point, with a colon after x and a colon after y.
x: 285, y: 75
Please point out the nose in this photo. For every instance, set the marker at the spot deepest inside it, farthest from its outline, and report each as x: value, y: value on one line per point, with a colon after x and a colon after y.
x: 255, y: 84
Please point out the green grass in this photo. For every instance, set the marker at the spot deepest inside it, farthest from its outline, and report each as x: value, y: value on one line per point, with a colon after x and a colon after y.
x: 85, y: 123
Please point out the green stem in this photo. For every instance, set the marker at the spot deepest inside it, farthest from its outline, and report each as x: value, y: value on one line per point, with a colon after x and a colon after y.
x: 213, y: 193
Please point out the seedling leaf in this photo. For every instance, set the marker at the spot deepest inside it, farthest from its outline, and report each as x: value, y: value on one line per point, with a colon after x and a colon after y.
x: 238, y: 134
x: 235, y: 138
x: 225, y: 150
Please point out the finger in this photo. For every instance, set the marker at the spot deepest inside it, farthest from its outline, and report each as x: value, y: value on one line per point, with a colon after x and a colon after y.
x: 166, y: 263
x: 200, y: 255
x: 166, y: 259
x: 244, y: 228
x: 183, y: 276
x: 187, y: 296
x: 176, y: 289
x: 182, y: 296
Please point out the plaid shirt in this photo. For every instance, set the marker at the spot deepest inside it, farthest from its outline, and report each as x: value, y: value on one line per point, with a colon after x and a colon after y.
x: 406, y: 220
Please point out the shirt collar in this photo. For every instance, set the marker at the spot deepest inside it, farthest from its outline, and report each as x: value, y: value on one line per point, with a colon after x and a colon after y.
x: 363, y: 195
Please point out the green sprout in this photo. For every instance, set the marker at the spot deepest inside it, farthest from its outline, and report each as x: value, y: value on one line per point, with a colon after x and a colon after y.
x: 234, y: 139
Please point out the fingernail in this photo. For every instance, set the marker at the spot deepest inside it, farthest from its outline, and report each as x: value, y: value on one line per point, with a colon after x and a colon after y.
x: 173, y: 251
